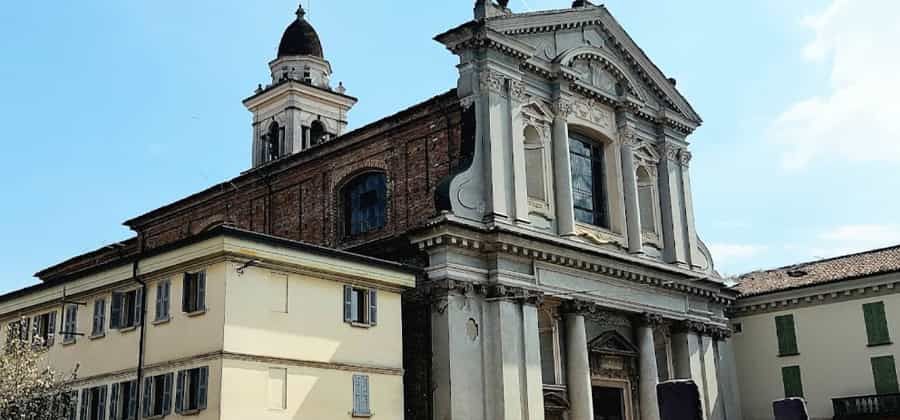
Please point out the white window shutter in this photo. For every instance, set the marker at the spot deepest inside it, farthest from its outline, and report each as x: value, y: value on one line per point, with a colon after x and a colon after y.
x: 167, y: 394
x: 348, y: 304
x: 138, y: 306
x: 202, y: 387
x: 115, y: 316
x: 148, y: 397
x: 201, y: 290
x: 373, y: 307
x: 131, y: 408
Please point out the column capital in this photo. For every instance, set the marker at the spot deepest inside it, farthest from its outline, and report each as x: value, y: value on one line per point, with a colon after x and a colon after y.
x: 721, y: 333
x: 691, y: 326
x: 562, y: 108
x: 649, y: 319
x: 628, y: 136
x: 576, y: 307
x: 669, y: 151
x: 685, y: 157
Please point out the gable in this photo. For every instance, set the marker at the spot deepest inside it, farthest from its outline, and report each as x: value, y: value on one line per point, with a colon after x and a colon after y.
x: 612, y: 342
x: 597, y: 51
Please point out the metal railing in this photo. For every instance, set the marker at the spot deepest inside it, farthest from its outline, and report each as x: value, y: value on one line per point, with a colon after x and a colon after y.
x: 867, y: 407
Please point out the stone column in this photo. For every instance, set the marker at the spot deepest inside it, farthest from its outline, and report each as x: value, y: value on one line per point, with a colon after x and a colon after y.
x: 727, y: 375
x: 710, y: 378
x: 649, y: 376
x: 562, y: 169
x: 534, y: 386
x: 578, y: 369
x: 628, y: 139
x: 688, y: 357
x: 671, y: 203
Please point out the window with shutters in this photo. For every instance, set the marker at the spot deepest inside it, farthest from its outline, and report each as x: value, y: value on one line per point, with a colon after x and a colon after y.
x: 787, y: 336
x: 876, y: 324
x: 191, y: 390
x: 19, y: 330
x: 70, y: 324
x: 361, y: 406
x: 885, y: 372
x: 193, y: 298
x: 123, y: 404
x: 98, y: 327
x: 163, y: 293
x: 589, y: 181
x: 126, y: 310
x: 365, y: 204
x: 157, y: 395
x: 93, y: 403
x: 43, y: 329
x: 360, y: 306
x: 793, y: 384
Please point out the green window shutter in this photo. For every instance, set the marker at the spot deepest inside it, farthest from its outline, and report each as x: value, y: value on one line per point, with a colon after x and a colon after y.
x: 787, y: 336
x: 885, y: 373
x: 793, y: 385
x: 876, y: 324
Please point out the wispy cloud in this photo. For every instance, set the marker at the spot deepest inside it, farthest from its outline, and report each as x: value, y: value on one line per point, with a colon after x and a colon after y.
x: 855, y: 118
x: 729, y: 253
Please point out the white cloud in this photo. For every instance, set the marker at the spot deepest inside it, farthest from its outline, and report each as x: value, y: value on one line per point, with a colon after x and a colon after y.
x: 856, y: 116
x: 725, y: 253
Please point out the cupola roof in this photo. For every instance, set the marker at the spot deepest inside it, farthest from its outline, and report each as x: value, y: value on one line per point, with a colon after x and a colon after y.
x: 300, y: 38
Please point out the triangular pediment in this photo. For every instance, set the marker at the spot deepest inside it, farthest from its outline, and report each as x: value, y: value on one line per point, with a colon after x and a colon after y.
x: 612, y: 342
x: 590, y: 44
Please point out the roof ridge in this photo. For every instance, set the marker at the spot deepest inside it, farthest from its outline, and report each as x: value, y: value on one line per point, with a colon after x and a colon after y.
x: 811, y: 262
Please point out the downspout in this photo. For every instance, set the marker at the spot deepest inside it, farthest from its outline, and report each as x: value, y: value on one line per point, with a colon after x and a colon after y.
x: 143, y: 323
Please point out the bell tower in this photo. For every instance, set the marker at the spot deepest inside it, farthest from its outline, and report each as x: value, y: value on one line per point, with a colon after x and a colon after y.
x: 299, y: 109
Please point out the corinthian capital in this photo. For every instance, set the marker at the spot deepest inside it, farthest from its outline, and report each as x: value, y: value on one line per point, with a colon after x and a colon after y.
x: 628, y: 136
x: 562, y: 108
x: 685, y: 157
x: 669, y: 150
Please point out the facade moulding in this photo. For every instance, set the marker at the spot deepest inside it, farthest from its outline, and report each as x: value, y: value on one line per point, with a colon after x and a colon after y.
x: 498, y: 244
x: 752, y: 305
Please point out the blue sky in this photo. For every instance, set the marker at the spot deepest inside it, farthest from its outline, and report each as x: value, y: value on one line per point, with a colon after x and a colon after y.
x: 112, y: 108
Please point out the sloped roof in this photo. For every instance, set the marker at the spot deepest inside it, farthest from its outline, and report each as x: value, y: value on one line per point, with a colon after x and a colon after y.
x: 846, y: 267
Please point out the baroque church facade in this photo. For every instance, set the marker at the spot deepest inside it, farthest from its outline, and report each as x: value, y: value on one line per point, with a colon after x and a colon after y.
x: 546, y: 201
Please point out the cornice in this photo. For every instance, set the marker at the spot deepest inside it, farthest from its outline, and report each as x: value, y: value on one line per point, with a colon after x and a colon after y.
x: 813, y: 296
x: 585, y: 263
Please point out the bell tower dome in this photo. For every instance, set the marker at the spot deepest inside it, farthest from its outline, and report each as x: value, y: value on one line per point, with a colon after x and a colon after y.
x: 299, y: 109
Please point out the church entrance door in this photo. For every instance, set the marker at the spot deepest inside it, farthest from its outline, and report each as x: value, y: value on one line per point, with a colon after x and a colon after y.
x: 609, y: 403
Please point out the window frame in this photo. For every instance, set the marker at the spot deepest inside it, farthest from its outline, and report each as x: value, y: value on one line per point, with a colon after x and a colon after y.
x: 43, y: 325
x: 877, y: 329
x: 786, y: 347
x: 119, y: 309
x: 788, y: 373
x: 154, y: 404
x: 891, y: 386
x: 123, y: 404
x: 193, y: 298
x: 69, y: 329
x: 163, y: 309
x: 185, y: 389
x: 98, y: 321
x: 348, y: 213
x: 367, y: 318
x: 601, y: 211
x: 362, y: 388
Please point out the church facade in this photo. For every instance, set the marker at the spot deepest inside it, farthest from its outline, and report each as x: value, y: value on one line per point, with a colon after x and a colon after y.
x: 546, y: 201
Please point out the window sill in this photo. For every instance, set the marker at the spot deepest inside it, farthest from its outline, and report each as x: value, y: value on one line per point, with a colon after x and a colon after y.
x: 97, y: 336
x: 68, y: 343
x: 161, y: 321
x: 193, y: 412
x: 789, y: 354
x: 154, y: 417
x: 195, y: 313
x: 362, y: 415
x: 127, y: 329
x: 886, y: 343
x: 360, y: 325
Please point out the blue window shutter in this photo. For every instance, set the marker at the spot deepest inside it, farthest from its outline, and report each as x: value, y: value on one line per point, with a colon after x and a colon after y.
x: 115, y: 316
x: 201, y: 290
x: 147, y: 396
x: 167, y: 394
x: 85, y: 402
x: 373, y: 307
x: 138, y: 306
x: 166, y: 298
x: 159, y: 301
x: 51, y: 328
x: 101, y: 406
x: 132, y: 405
x: 114, y: 406
x: 348, y: 304
x: 179, y: 393
x: 201, y: 387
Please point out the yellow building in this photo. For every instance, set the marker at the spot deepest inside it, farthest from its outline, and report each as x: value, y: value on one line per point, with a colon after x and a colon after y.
x: 822, y: 331
x: 227, y: 325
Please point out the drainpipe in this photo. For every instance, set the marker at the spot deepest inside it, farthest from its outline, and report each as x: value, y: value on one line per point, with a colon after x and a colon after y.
x: 143, y: 323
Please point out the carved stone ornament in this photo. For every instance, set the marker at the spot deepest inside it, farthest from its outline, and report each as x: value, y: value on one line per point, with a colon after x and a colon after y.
x: 491, y: 81
x: 591, y: 111
x: 562, y: 108
x: 648, y: 319
x: 517, y: 90
x: 628, y: 136
x: 467, y: 102
x: 685, y: 157
x: 670, y: 151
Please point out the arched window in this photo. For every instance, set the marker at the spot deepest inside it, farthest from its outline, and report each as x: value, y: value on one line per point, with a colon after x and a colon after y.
x: 272, y: 140
x: 589, y: 181
x: 647, y: 200
x: 365, y: 203
x: 316, y: 133
x: 534, y: 165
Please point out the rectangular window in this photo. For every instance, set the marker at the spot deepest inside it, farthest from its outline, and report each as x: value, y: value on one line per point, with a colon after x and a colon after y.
x: 126, y: 309
x: 70, y: 324
x: 360, y: 306
x: 163, y: 292
x: 93, y: 403
x: 793, y: 385
x: 18, y: 330
x: 99, y: 324
x: 43, y: 329
x: 123, y: 401
x: 190, y: 394
x: 361, y: 406
x: 157, y: 395
x: 194, y: 292
x: 588, y: 182
x: 277, y: 388
x: 885, y: 372
x: 876, y: 324
x: 787, y: 335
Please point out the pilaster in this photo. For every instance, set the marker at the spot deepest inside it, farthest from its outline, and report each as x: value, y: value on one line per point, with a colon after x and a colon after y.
x: 628, y: 140
x: 515, y: 98
x: 671, y: 203
x: 693, y: 253
x: 562, y: 169
x: 687, y: 354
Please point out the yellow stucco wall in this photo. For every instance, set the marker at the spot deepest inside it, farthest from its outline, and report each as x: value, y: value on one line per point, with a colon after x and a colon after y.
x: 243, y: 328
x: 834, y: 356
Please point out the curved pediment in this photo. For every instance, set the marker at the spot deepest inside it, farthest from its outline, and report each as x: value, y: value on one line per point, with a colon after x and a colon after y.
x: 598, y: 68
